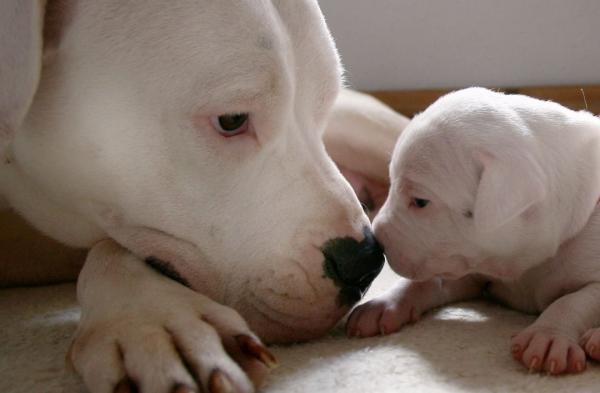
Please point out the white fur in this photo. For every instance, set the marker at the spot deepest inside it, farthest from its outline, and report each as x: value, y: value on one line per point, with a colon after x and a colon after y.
x: 117, y: 143
x: 513, y: 184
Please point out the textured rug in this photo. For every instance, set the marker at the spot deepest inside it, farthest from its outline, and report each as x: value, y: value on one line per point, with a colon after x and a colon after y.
x: 460, y: 348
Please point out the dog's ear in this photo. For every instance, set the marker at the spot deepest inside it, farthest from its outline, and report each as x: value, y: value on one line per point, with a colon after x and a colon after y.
x: 21, y: 25
x: 360, y: 137
x: 509, y: 185
x: 361, y: 134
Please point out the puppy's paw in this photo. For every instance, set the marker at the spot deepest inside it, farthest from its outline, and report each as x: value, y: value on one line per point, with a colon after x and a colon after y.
x: 590, y: 342
x: 542, y: 349
x: 381, y: 316
x: 188, y: 345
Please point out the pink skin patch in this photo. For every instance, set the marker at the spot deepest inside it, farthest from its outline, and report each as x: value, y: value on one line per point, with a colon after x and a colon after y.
x: 370, y: 193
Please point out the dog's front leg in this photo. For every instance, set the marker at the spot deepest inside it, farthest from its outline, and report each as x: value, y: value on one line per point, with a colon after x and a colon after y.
x: 407, y: 301
x: 141, y: 331
x: 551, y: 343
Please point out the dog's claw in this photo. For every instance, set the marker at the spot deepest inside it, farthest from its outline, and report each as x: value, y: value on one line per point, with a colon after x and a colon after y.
x: 252, y: 347
x: 125, y: 386
x: 219, y: 383
x: 183, y: 389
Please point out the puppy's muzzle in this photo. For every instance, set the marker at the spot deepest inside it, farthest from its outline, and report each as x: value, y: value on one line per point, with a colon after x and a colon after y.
x: 352, y: 265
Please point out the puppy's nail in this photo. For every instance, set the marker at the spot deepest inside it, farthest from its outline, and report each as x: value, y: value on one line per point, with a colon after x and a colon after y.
x: 592, y: 349
x: 382, y: 330
x: 252, y: 347
x: 552, y: 366
x: 219, y: 383
x: 533, y: 364
x: 182, y: 389
x: 125, y: 386
x: 579, y: 367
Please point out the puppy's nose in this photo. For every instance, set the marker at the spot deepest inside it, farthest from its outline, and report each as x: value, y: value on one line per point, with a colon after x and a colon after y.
x: 352, y: 265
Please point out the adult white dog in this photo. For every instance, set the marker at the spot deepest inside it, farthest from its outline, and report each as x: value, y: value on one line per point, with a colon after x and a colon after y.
x: 497, y: 193
x: 187, y: 136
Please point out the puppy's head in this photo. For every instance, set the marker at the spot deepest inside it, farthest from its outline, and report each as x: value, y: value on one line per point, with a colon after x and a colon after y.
x: 474, y: 187
x: 191, y: 134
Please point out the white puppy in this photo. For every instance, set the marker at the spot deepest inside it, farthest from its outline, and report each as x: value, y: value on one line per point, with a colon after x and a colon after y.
x: 185, y: 136
x: 497, y: 193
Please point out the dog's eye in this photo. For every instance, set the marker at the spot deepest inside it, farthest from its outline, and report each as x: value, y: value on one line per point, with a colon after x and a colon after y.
x: 419, y: 202
x: 231, y: 124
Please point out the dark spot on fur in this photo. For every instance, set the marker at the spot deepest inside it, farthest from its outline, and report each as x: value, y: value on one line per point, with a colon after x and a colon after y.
x: 166, y: 269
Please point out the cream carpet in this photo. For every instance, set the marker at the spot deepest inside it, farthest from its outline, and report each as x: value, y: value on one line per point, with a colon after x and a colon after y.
x: 461, y: 348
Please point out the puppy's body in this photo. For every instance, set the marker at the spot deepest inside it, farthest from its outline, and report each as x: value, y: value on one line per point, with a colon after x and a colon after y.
x: 499, y: 194
x: 575, y: 266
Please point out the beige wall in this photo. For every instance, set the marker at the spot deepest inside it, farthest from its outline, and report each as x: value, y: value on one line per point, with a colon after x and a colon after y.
x: 406, y: 44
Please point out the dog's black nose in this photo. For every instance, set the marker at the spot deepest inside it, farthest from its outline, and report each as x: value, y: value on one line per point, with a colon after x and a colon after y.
x: 352, y: 265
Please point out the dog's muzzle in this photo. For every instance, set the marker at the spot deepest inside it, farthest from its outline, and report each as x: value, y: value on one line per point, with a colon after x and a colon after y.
x: 352, y: 265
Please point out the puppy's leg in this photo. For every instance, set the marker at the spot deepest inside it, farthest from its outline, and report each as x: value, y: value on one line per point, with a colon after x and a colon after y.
x: 144, y: 331
x: 405, y: 303
x: 551, y: 343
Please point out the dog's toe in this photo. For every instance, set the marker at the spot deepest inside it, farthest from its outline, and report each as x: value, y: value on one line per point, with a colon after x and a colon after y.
x: 121, y: 359
x: 201, y: 348
x: 98, y: 359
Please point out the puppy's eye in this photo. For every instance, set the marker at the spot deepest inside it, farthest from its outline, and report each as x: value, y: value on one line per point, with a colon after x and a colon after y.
x: 419, y: 203
x: 230, y: 124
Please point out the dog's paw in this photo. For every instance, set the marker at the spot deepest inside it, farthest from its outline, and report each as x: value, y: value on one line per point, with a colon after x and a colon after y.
x: 190, y: 349
x: 590, y: 342
x: 185, y: 343
x: 142, y: 332
x: 542, y: 349
x: 380, y: 316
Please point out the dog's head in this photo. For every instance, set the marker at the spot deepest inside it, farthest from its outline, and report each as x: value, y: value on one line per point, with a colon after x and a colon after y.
x: 488, y: 183
x: 191, y: 133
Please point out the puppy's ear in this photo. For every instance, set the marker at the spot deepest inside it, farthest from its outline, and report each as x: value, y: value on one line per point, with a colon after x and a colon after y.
x: 21, y: 25
x: 360, y: 137
x: 509, y: 185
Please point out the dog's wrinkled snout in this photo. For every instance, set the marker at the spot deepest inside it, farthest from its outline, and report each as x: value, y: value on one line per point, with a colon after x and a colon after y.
x: 352, y: 264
